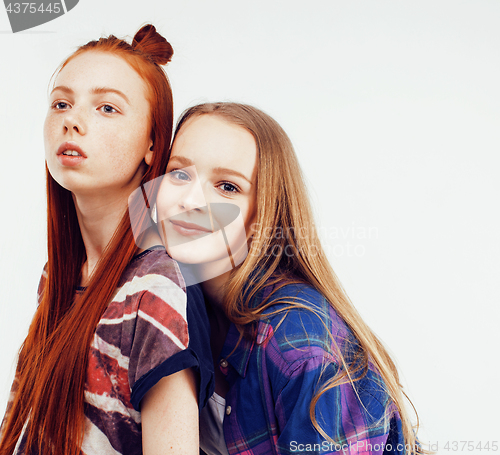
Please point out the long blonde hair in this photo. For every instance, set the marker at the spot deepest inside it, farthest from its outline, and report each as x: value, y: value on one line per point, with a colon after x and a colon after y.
x: 283, y: 203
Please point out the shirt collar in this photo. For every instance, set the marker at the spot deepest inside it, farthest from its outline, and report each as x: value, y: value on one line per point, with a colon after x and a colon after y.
x: 238, y: 357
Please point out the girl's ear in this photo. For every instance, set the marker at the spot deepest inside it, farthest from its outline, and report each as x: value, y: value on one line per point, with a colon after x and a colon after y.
x: 149, y: 154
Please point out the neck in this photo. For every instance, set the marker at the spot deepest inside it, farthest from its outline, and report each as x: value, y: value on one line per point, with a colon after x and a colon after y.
x: 219, y: 325
x: 213, y: 290
x: 98, y: 220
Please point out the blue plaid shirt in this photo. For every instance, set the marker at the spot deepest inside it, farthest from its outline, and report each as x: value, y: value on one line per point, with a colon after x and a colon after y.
x: 273, y: 377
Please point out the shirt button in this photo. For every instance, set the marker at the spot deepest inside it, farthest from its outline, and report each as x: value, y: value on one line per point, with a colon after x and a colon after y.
x: 228, y: 410
x: 223, y: 363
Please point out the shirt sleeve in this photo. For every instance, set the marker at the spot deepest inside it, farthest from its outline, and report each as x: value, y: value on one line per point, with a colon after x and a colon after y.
x: 359, y: 417
x: 9, y: 405
x: 197, y: 355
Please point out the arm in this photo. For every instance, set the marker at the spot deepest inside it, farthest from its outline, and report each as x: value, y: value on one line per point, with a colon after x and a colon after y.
x: 169, y: 413
x: 9, y: 405
x: 360, y: 419
x: 353, y: 416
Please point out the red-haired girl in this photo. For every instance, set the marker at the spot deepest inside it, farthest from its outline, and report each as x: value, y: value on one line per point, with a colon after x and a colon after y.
x: 108, y: 365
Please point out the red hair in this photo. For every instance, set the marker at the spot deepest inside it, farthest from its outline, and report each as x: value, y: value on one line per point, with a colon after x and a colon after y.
x: 52, y: 364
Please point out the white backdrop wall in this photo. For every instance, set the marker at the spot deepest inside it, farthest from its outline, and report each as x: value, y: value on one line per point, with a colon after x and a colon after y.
x: 393, y: 108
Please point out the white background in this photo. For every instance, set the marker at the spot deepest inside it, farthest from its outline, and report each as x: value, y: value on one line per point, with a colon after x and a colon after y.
x: 393, y: 107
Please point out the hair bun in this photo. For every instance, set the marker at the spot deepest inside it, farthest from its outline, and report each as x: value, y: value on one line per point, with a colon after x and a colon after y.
x: 150, y: 42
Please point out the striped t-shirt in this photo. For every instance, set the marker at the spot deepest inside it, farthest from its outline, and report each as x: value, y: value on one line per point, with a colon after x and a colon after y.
x: 141, y: 337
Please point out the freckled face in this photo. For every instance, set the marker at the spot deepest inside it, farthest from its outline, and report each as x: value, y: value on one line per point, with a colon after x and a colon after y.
x: 211, y: 177
x: 96, y: 131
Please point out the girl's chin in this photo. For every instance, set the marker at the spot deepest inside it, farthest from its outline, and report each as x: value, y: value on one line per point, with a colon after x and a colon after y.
x: 194, y: 258
x: 196, y: 270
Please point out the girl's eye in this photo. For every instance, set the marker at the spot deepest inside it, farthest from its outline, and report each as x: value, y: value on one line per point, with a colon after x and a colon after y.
x: 179, y: 176
x: 228, y: 187
x: 107, y: 109
x: 60, y: 105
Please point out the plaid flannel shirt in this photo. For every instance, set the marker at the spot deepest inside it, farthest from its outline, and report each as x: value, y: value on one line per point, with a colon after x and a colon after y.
x: 274, y: 375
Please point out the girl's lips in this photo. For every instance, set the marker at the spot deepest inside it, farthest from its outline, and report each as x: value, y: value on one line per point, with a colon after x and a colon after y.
x: 184, y: 228
x: 70, y: 160
x: 67, y: 160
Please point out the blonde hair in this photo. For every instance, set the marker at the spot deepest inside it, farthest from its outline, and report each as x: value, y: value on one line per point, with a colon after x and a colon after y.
x: 282, y: 202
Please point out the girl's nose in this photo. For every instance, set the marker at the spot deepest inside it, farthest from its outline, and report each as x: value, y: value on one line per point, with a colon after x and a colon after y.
x: 193, y: 197
x: 73, y: 121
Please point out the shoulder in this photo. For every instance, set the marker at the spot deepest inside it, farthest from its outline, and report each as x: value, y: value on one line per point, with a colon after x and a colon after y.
x: 153, y: 284
x: 299, y: 316
x: 156, y: 272
x: 306, y: 343
x: 302, y: 296
x: 153, y: 264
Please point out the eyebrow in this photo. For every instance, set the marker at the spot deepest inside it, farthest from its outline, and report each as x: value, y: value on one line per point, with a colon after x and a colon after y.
x: 225, y: 170
x: 93, y: 91
x: 183, y: 161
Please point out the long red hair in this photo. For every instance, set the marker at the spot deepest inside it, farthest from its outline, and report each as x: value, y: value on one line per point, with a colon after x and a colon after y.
x: 51, y: 370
